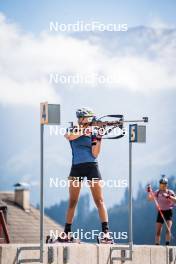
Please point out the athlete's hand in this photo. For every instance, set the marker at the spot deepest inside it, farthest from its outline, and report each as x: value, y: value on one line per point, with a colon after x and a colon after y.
x: 96, y: 138
x: 99, y: 137
x: 149, y: 188
x: 87, y: 131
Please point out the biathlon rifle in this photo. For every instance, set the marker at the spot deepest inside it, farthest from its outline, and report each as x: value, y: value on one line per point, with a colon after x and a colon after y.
x: 110, y: 125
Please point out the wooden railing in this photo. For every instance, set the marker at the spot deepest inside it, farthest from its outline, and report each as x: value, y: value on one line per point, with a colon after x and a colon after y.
x: 4, y: 234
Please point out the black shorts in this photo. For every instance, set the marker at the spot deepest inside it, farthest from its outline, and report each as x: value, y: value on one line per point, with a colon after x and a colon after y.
x: 88, y: 169
x: 167, y: 215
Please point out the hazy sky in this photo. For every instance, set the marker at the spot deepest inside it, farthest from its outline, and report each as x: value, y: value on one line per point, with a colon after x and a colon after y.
x: 34, y: 15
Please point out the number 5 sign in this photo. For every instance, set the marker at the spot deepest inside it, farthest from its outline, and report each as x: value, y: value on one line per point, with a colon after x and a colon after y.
x: 137, y: 134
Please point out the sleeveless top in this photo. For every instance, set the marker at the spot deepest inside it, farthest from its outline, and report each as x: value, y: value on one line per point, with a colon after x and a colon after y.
x: 82, y: 150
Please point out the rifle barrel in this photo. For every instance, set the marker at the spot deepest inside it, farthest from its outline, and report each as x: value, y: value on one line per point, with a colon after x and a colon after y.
x: 114, y: 123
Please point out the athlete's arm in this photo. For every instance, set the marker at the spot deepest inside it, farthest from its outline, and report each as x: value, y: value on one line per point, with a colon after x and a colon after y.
x: 73, y: 133
x: 96, y: 145
x: 96, y: 148
x: 150, y: 195
x: 173, y: 198
x: 72, y: 136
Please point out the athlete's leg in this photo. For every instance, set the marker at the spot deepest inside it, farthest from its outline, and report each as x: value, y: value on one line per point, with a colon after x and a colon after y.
x: 158, y: 233
x: 96, y: 190
x: 74, y: 191
x: 168, y: 232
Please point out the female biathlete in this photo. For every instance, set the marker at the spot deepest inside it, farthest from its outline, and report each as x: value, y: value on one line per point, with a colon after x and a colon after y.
x: 164, y: 199
x: 85, y: 150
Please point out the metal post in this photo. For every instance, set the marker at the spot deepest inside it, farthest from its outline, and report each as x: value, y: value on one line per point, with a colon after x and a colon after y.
x: 41, y: 194
x: 130, y: 197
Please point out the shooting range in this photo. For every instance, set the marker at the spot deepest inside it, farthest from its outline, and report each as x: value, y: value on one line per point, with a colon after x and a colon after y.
x: 51, y: 115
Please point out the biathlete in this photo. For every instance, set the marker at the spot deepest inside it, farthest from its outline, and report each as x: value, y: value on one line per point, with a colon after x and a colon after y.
x: 164, y: 199
x: 85, y: 150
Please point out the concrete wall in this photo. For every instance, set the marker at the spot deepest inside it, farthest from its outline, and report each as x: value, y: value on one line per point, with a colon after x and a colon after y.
x: 86, y: 254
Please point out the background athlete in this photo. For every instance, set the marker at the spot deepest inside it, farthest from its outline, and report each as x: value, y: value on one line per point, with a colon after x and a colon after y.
x: 166, y: 199
x: 85, y: 149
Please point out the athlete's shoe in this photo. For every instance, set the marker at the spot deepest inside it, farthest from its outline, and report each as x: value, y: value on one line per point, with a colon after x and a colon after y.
x: 105, y: 239
x: 50, y: 239
x: 63, y: 238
